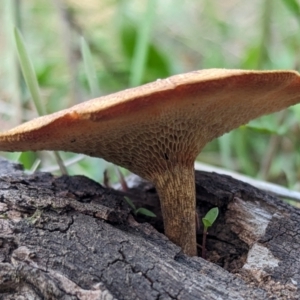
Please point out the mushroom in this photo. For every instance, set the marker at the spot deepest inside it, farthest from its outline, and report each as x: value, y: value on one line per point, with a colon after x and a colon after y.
x: 158, y: 129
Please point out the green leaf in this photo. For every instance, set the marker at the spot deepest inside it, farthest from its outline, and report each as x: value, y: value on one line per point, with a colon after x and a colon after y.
x: 250, y: 57
x: 142, y: 45
x: 265, y: 130
x: 293, y: 6
x: 145, y: 212
x: 27, y: 159
x: 28, y: 73
x: 243, y: 151
x: 89, y: 68
x: 157, y: 62
x: 130, y: 203
x: 158, y: 65
x: 210, y: 217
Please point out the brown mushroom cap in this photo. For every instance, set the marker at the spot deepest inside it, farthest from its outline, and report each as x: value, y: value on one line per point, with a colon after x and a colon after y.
x: 157, y: 130
x: 170, y: 120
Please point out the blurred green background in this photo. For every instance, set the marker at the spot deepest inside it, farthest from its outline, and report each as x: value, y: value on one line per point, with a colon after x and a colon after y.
x: 137, y: 41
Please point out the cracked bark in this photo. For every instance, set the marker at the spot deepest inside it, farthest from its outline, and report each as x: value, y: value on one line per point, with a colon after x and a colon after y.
x: 70, y: 238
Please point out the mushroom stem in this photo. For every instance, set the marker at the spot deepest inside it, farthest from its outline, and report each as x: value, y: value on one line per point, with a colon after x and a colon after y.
x: 176, y: 190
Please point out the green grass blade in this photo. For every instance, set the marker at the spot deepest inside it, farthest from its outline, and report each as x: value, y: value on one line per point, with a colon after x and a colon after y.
x: 141, y: 47
x: 12, y: 17
x: 225, y: 144
x: 89, y: 68
x: 32, y: 84
x: 145, y: 212
x: 243, y: 151
x: 28, y: 73
x: 60, y: 163
x: 130, y: 203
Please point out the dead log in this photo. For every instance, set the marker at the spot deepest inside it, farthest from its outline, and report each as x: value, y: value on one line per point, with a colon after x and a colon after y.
x: 70, y: 238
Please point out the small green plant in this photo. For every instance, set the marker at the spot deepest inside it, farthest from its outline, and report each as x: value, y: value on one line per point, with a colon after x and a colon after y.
x: 90, y: 68
x: 141, y: 210
x: 208, y: 221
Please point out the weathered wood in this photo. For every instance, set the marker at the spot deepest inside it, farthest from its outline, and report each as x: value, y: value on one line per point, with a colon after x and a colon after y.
x: 70, y: 238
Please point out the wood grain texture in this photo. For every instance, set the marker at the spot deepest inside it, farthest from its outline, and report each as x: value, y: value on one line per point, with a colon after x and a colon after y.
x: 54, y: 245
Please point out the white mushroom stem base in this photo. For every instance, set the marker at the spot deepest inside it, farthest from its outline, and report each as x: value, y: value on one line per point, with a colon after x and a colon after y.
x: 176, y: 189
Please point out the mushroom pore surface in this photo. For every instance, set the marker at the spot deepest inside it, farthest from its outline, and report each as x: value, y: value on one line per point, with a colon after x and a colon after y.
x: 158, y: 129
